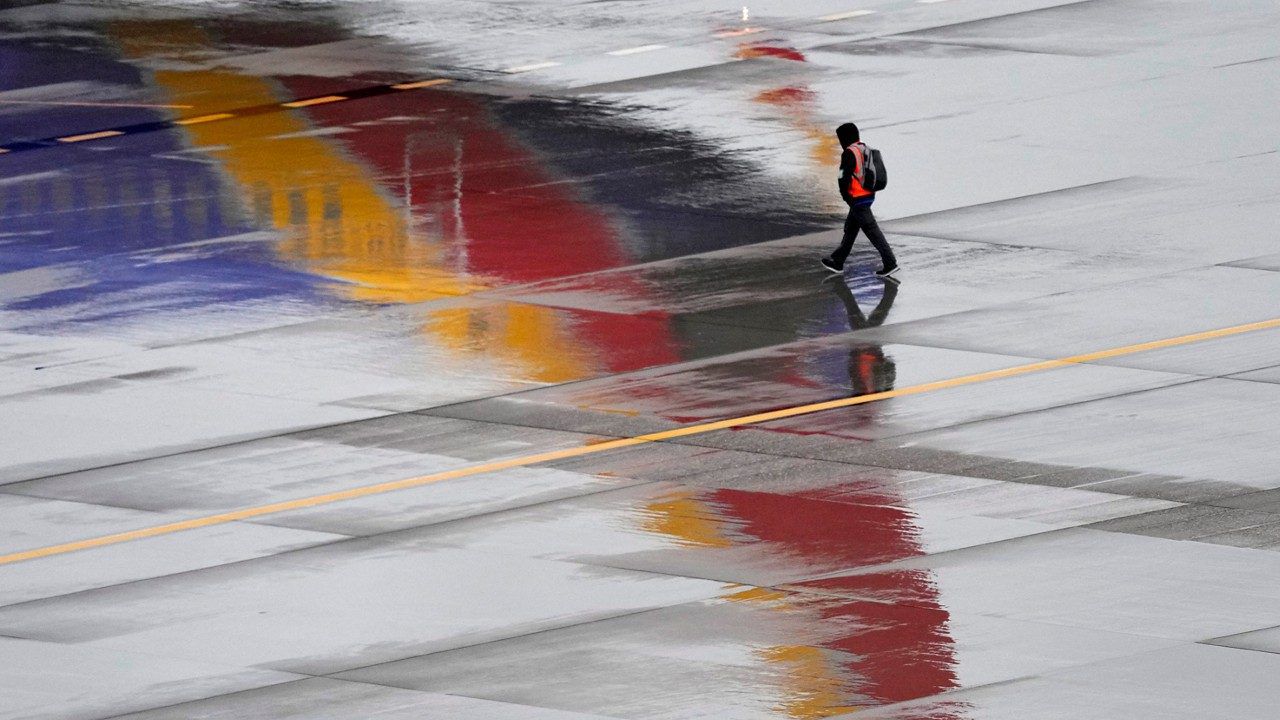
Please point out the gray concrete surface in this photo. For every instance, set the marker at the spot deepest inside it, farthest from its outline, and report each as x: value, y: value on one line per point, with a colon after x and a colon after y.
x: 606, y: 224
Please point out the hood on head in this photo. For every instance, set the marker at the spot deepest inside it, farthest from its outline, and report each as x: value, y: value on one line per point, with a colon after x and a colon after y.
x: 848, y: 134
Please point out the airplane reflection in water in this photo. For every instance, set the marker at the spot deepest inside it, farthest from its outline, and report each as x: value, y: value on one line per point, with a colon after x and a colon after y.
x: 340, y: 219
x: 837, y: 363
x: 402, y: 199
x: 337, y: 219
x: 849, y: 653
x: 428, y: 196
x: 772, y: 645
x: 807, y: 625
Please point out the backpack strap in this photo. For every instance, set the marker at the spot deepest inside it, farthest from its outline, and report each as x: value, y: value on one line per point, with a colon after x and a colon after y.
x: 860, y: 161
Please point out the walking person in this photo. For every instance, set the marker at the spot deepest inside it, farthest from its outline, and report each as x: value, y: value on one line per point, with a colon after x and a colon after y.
x: 853, y: 172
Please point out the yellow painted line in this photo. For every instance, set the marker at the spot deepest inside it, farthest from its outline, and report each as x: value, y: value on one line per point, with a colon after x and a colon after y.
x: 620, y: 443
x: 314, y: 101
x: 421, y: 84
x: 846, y: 15
x: 203, y: 119
x: 89, y: 136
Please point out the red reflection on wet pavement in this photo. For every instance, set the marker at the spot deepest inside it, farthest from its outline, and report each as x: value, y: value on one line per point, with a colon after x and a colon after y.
x: 887, y: 652
x: 902, y: 652
x: 787, y: 96
x: 757, y: 51
x: 820, y: 533
x: 511, y: 218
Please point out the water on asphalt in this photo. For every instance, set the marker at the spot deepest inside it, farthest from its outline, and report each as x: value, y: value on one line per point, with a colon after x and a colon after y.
x: 370, y: 359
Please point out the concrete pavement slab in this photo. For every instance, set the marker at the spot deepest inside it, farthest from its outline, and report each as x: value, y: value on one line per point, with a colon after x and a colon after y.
x: 842, y: 366
x: 33, y: 352
x: 53, y: 433
x: 1089, y: 578
x: 773, y: 285
x: 1265, y: 262
x: 1265, y: 640
x: 281, y: 469
x: 54, y: 680
x: 755, y: 654
x: 32, y: 523
x: 1185, y: 432
x: 1196, y: 522
x: 758, y: 537
x: 1264, y: 500
x: 1101, y: 318
x: 1184, y: 682
x: 1248, y: 357
x: 328, y: 699
x: 1130, y: 213
x: 441, y: 234
x: 1268, y: 374
x: 1034, y: 497
x: 344, y: 606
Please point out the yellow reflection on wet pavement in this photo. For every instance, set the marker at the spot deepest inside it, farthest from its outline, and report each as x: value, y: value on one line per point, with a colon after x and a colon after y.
x: 796, y: 105
x: 683, y: 517
x: 811, y: 685
x: 524, y: 336
x: 337, y: 221
x: 814, y: 685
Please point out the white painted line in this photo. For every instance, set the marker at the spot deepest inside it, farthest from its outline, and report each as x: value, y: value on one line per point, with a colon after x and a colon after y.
x: 846, y: 15
x: 929, y: 2
x: 534, y: 66
x: 636, y: 50
x: 28, y: 177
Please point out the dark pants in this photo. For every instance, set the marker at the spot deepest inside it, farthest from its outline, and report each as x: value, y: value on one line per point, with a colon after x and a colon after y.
x: 860, y: 218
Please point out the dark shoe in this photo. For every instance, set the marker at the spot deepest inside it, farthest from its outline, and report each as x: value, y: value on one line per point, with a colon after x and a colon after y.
x: 832, y: 265
x: 885, y: 272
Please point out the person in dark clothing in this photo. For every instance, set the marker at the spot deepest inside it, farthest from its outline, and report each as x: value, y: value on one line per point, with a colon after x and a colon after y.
x: 859, y: 200
x: 870, y: 370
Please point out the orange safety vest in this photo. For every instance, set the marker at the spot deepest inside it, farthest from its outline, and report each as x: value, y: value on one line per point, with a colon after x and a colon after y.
x: 855, y: 183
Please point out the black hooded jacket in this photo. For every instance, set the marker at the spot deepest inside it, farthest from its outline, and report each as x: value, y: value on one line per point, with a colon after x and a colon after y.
x: 851, y: 160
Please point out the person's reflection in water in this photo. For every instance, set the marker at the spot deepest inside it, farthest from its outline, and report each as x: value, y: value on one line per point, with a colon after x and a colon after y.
x: 870, y: 370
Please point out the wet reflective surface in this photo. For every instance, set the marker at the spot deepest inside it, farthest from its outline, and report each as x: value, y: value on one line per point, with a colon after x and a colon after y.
x: 253, y: 253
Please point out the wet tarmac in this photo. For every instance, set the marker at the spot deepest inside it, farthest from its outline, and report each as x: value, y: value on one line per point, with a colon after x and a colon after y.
x: 472, y: 360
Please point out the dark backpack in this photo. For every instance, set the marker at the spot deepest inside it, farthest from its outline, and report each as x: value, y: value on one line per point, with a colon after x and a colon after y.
x: 874, y: 177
